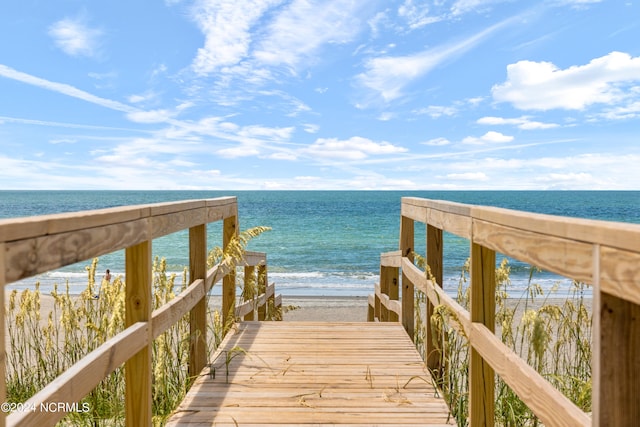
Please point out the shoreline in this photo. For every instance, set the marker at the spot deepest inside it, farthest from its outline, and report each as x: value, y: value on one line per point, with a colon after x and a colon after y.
x: 328, y: 308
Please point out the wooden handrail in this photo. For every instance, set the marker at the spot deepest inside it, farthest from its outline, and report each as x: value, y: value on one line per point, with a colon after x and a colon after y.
x: 601, y: 253
x: 33, y: 245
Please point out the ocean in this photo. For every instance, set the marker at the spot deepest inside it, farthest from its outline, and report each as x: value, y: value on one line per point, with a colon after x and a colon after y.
x: 321, y: 243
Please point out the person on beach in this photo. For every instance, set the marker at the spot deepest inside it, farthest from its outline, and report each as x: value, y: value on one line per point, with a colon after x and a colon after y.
x: 107, y: 278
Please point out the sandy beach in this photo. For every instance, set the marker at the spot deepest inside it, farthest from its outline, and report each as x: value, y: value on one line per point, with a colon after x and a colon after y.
x: 330, y: 308
x: 324, y: 308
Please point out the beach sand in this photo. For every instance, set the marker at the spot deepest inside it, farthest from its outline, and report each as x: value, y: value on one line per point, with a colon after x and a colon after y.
x: 324, y: 308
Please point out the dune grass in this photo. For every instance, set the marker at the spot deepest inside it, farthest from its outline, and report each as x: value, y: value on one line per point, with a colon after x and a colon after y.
x: 42, y: 345
x: 553, y: 335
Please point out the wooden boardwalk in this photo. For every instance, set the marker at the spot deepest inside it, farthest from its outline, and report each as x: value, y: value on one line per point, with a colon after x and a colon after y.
x: 314, y: 373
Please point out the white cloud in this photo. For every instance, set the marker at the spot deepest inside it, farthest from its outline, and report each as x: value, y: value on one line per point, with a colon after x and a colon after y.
x: 417, y: 15
x: 542, y: 86
x: 75, y: 38
x: 523, y: 122
x: 437, y: 142
x: 227, y: 27
x: 437, y: 111
x: 153, y: 116
x: 354, y: 148
x: 386, y: 116
x: 389, y: 75
x: 64, y: 89
x: 460, y: 7
x: 490, y: 137
x: 311, y: 128
x: 303, y: 27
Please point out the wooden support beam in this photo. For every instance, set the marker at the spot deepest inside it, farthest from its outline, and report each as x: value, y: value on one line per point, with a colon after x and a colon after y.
x: 481, y: 375
x: 616, y: 363
x: 407, y: 248
x: 262, y: 287
x: 198, y: 314
x: 138, y: 305
x: 229, y: 231
x: 250, y: 288
x: 434, y: 343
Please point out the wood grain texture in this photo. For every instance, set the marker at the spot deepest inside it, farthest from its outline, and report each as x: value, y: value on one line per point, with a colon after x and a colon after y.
x: 138, y: 305
x: 229, y: 231
x: 315, y: 373
x: 457, y: 224
x: 614, y: 234
x: 407, y: 247
x: 618, y: 397
x: 562, y: 256
x: 620, y: 273
x: 28, y: 257
x: 483, y: 310
x: 198, y: 314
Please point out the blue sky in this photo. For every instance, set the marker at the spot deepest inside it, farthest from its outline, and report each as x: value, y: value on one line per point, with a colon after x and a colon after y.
x: 328, y: 94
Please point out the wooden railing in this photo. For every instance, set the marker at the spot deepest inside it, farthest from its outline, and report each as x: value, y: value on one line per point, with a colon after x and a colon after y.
x: 29, y: 246
x: 603, y: 254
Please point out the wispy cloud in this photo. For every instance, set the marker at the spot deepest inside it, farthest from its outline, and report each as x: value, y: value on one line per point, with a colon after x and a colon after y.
x: 226, y: 26
x: 355, y: 148
x: 523, y: 122
x: 303, y: 27
x: 64, y: 89
x: 543, y: 86
x: 387, y: 76
x: 490, y: 137
x: 74, y: 37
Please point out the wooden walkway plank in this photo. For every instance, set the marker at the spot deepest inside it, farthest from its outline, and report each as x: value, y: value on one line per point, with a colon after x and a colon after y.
x: 314, y: 373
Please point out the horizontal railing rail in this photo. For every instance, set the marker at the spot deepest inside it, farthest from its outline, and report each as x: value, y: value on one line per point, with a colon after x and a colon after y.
x: 33, y: 245
x: 603, y: 254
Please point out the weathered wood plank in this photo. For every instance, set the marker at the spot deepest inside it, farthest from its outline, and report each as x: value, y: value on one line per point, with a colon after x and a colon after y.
x: 620, y: 273
x: 298, y: 373
x: 457, y: 224
x: 391, y: 259
x: 483, y: 310
x: 198, y: 313
x: 614, y: 234
x: 565, y: 257
x: 229, y: 231
x: 167, y: 315
x: 138, y: 306
x: 28, y: 257
x: 617, y: 396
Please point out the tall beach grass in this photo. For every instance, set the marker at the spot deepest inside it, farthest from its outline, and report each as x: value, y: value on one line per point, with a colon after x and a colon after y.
x: 42, y: 344
x: 552, y: 334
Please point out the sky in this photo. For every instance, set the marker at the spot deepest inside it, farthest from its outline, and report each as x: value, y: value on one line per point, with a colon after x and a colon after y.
x: 320, y: 95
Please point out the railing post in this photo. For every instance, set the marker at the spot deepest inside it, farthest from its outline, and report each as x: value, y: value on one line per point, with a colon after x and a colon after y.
x: 434, y: 345
x: 406, y: 248
x: 198, y: 314
x: 616, y: 355
x: 262, y: 288
x: 138, y: 306
x: 483, y: 303
x: 229, y: 231
x: 250, y: 288
x: 380, y: 310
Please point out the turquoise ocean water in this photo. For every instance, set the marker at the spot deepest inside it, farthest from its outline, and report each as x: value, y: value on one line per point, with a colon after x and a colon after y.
x: 321, y: 242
